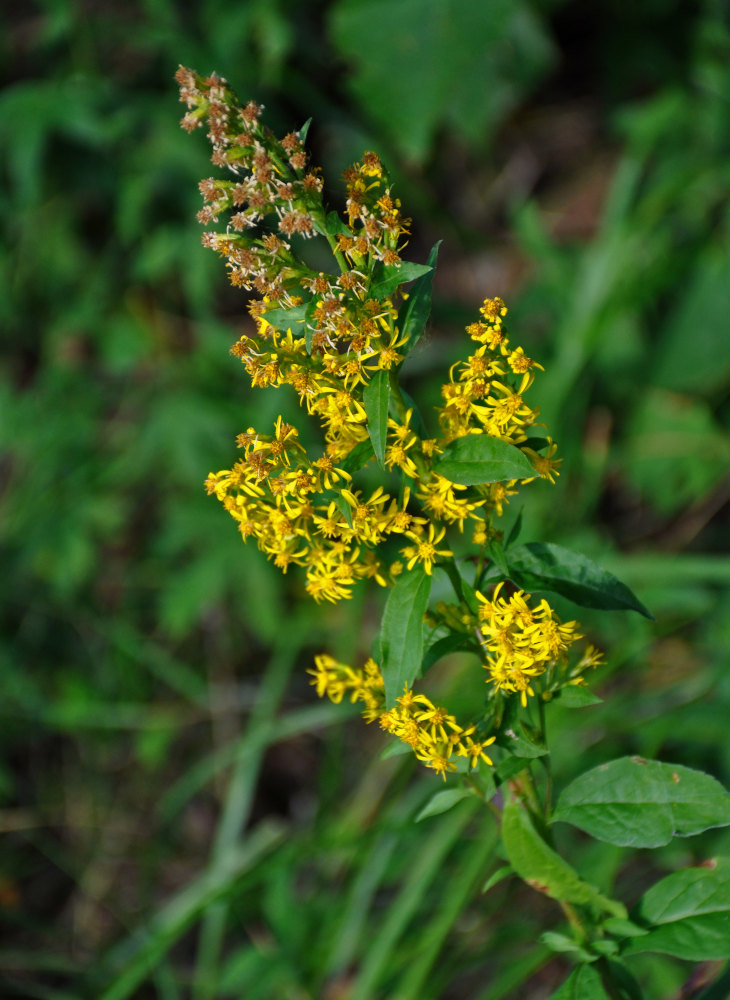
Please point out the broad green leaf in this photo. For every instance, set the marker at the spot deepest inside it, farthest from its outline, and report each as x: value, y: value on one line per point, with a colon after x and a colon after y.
x: 392, y: 276
x: 577, y: 696
x: 375, y: 397
x: 688, y: 914
x: 480, y: 458
x: 413, y: 314
x: 583, y: 983
x: 442, y: 801
x: 544, y: 566
x: 401, y: 634
x: 634, y: 802
x: 543, y: 868
x: 286, y: 319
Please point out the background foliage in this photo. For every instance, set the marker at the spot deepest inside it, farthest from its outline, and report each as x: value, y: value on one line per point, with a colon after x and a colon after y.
x: 575, y: 160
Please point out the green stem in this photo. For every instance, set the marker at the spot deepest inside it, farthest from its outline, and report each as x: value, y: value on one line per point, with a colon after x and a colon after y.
x: 574, y: 920
x: 545, y: 761
x: 489, y: 803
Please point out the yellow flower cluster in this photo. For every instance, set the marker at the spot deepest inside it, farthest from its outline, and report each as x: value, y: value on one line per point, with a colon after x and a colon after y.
x: 326, y: 336
x: 338, y: 340
x: 524, y: 642
x: 429, y: 730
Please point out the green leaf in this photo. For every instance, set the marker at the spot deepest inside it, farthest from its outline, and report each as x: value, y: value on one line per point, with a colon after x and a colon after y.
x: 605, y: 946
x: 402, y: 631
x: 519, y: 742
x: 577, y: 696
x: 328, y: 496
x: 623, y: 928
x: 508, y: 768
x: 462, y: 588
x: 514, y: 737
x: 311, y: 324
x: 285, y: 319
x: 335, y: 226
x: 395, y: 749
x: 498, y: 876
x: 561, y: 943
x: 413, y: 314
x: 452, y: 643
x: 480, y: 458
x: 391, y: 276
x: 442, y: 801
x: 634, y: 802
x: 514, y: 530
x: 344, y: 508
x: 357, y: 458
x: 417, y: 421
x: 304, y: 131
x: 688, y: 913
x: 543, y: 868
x: 544, y: 566
x: 583, y: 983
x: 375, y: 397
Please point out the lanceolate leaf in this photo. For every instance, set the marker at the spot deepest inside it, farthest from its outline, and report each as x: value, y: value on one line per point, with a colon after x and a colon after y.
x: 480, y: 458
x: 543, y: 566
x: 634, y: 802
x: 304, y: 130
x: 688, y: 914
x: 402, y: 631
x: 393, y: 275
x: 375, y: 397
x: 577, y: 696
x: 442, y: 801
x: 414, y: 312
x: 543, y: 868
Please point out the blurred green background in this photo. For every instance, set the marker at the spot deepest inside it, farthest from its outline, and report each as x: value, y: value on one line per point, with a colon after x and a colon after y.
x: 180, y: 817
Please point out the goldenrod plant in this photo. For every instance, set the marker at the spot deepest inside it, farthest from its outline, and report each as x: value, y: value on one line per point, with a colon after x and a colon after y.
x: 340, y: 338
